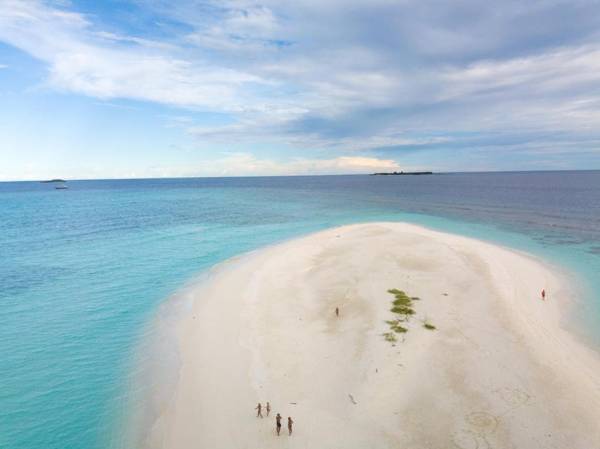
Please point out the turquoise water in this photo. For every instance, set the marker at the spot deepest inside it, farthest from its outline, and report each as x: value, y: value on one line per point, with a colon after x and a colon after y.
x: 84, y: 270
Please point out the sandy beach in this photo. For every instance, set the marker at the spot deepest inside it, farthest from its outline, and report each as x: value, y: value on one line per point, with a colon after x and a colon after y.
x: 498, y: 370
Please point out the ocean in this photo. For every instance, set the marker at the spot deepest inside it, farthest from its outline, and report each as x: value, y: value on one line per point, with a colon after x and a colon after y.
x: 84, y: 270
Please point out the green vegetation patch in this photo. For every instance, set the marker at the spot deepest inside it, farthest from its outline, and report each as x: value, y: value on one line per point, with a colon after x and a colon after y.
x: 403, y: 310
x: 399, y: 329
x: 405, y: 301
x: 390, y: 336
x: 402, y: 305
x: 396, y: 327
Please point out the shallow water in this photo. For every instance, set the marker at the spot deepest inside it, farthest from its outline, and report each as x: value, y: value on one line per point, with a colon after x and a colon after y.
x: 83, y: 270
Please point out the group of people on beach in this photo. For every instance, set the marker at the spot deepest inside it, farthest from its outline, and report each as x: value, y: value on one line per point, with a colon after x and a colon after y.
x: 278, y: 418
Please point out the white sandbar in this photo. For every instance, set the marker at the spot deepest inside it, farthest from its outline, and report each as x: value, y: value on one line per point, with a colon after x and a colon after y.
x: 498, y: 372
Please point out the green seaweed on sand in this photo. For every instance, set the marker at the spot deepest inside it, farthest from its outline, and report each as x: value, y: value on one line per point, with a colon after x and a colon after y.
x: 402, y: 305
x: 396, y: 327
x: 389, y: 336
x: 398, y: 293
x: 402, y: 301
x: 399, y: 329
x: 403, y: 310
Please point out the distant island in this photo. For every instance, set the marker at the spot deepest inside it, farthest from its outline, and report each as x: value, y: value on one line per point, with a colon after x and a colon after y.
x: 398, y: 173
x: 54, y: 180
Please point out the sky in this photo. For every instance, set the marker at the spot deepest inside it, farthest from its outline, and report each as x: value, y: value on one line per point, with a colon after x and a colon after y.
x: 168, y: 88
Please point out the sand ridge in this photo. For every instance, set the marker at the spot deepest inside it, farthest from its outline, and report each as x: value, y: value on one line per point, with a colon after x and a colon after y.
x: 499, y: 371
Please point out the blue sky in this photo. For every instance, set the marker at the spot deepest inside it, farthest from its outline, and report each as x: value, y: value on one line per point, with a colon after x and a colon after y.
x: 150, y: 88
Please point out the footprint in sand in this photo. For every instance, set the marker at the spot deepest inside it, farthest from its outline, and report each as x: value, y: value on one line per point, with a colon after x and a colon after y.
x: 483, y: 422
x: 480, y: 424
x: 466, y: 439
x: 514, y: 396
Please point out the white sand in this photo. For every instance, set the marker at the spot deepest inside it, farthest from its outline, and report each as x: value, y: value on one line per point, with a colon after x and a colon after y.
x: 499, y: 371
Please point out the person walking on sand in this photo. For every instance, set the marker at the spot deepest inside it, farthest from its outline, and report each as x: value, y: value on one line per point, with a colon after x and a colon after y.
x: 337, y: 311
x: 278, y: 421
x: 543, y: 294
x: 290, y: 422
x: 268, y: 408
x: 259, y: 408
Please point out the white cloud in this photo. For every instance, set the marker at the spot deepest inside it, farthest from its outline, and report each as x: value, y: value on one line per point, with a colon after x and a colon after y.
x: 85, y: 61
x: 338, y: 75
x: 249, y: 29
x: 247, y: 164
x: 555, y: 71
x: 269, y: 129
x: 234, y: 164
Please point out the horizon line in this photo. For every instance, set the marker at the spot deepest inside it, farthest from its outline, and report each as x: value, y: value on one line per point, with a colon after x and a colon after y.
x: 300, y: 175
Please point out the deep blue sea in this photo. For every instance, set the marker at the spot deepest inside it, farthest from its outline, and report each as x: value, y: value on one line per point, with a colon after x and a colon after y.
x: 83, y: 270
